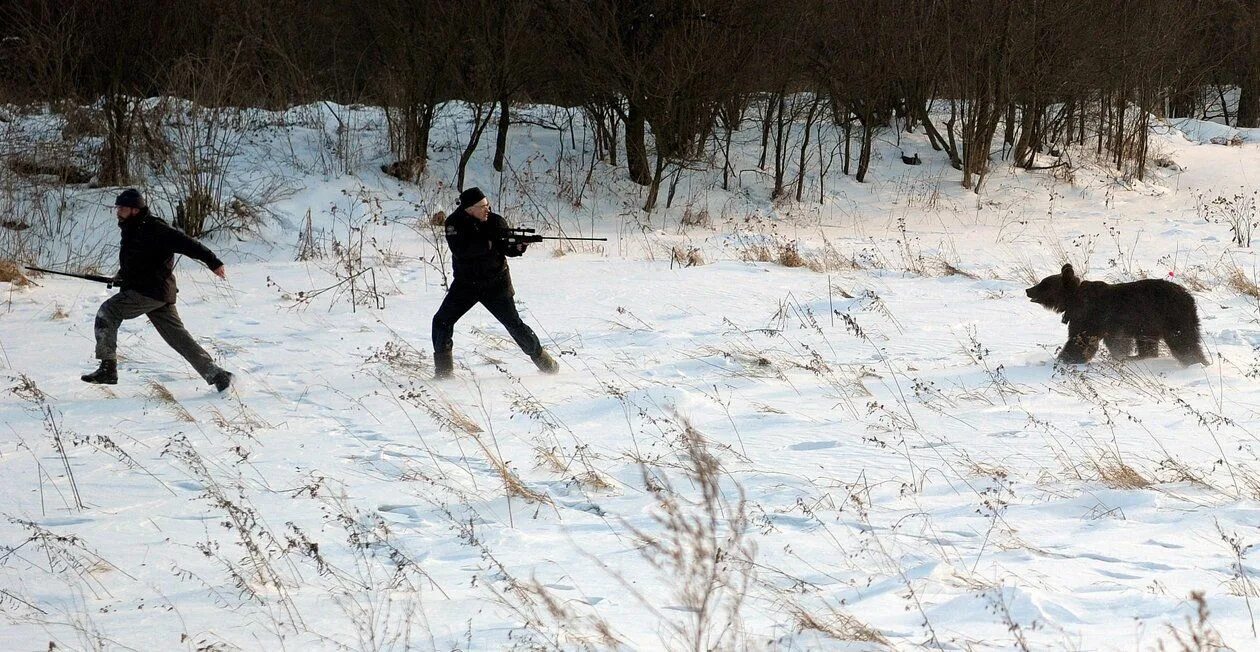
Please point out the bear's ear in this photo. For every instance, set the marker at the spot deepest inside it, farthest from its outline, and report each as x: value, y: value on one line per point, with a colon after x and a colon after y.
x: 1070, y: 281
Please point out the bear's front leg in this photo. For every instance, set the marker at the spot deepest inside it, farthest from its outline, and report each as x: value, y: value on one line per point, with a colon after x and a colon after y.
x: 1081, y: 346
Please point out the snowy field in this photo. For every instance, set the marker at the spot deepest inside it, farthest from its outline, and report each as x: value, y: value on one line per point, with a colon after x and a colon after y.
x: 777, y: 426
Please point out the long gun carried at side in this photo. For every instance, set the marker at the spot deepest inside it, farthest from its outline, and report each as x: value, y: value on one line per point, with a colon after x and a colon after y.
x: 107, y: 280
x: 528, y: 236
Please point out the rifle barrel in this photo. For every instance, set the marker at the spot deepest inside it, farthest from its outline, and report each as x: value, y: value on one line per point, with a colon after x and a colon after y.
x: 87, y: 277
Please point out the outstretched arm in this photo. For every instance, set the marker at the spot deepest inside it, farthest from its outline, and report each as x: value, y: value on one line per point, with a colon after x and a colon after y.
x: 180, y: 243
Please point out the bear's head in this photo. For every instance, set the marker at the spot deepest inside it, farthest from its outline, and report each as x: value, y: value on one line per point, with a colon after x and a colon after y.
x: 1056, y: 292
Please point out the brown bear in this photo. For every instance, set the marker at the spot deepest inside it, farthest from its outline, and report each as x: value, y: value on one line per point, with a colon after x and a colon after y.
x: 1121, y: 314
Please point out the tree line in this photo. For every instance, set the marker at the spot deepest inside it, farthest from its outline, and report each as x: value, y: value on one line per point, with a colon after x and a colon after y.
x: 666, y: 83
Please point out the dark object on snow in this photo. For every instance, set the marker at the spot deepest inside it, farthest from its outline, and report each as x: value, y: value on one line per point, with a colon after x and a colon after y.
x: 130, y: 198
x: 911, y: 160
x: 105, y: 374
x: 221, y: 380
x: 479, y: 258
x: 1119, y: 315
x: 67, y: 172
x: 87, y: 277
x: 15, y: 225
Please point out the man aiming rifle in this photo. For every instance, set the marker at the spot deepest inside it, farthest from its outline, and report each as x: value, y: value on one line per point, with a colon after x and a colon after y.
x: 480, y: 242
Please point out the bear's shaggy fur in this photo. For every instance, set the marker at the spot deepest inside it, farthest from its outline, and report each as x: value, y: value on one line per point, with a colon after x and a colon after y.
x: 1120, y: 315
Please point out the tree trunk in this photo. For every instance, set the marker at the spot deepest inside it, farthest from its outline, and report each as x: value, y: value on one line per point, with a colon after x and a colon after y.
x: 809, y: 123
x: 116, y: 154
x: 500, y: 141
x: 1249, y: 101
x: 780, y: 149
x: 479, y: 125
x: 766, y: 122
x: 636, y: 147
x: 867, y: 117
x: 654, y: 187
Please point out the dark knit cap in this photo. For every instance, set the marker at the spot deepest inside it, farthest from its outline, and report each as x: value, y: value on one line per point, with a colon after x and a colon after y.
x: 131, y: 198
x: 470, y: 196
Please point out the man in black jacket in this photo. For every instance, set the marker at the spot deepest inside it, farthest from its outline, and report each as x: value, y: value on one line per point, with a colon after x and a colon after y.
x: 146, y: 258
x: 481, y: 276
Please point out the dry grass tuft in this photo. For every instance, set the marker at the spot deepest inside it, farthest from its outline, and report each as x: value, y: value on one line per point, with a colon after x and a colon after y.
x: 948, y: 269
x: 1242, y: 284
x: 692, y: 217
x: 790, y: 256
x: 685, y: 256
x: 1118, y: 475
x: 11, y: 273
x: 838, y: 625
x: 159, y: 393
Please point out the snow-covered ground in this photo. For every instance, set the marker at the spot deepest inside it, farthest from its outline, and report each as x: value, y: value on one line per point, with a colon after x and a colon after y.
x: 870, y: 450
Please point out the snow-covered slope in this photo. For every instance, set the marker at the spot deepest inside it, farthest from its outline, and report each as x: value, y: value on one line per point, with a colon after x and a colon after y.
x: 872, y: 449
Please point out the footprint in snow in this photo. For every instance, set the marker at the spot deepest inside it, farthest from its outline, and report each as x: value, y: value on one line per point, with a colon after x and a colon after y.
x: 813, y: 445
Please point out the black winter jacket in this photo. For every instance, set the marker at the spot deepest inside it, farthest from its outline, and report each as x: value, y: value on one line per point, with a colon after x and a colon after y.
x: 478, y: 257
x: 146, y: 256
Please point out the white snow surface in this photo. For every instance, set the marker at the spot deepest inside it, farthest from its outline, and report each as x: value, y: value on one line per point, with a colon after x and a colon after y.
x: 899, y: 463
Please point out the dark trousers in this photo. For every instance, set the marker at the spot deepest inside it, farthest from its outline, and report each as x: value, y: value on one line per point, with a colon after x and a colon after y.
x: 498, y: 300
x: 129, y: 304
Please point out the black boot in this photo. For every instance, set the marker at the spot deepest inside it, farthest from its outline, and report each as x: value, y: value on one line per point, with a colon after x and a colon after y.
x: 546, y: 363
x: 106, y: 374
x: 443, y: 364
x: 221, y: 380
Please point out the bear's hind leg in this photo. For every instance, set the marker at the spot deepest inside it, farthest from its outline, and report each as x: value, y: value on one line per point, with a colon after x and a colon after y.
x: 1186, y: 348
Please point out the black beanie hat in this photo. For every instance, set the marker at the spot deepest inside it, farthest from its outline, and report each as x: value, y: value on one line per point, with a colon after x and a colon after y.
x: 131, y: 198
x: 470, y: 196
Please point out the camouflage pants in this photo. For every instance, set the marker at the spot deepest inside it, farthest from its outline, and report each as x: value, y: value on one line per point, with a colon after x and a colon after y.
x: 129, y: 304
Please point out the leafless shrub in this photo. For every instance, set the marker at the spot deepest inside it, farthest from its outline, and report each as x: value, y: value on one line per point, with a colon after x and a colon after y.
x: 1237, y: 211
x: 308, y: 247
x: 702, y: 547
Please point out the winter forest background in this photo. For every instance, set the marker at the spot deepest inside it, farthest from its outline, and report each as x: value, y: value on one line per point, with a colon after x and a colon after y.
x: 804, y: 402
